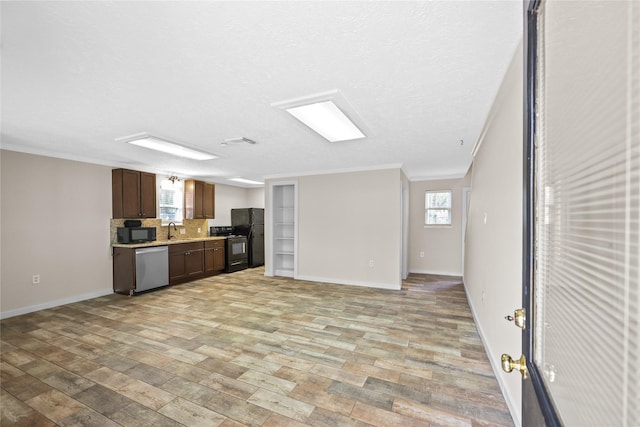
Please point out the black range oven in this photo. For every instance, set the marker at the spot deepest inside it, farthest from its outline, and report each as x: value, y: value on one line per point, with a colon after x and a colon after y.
x: 236, y: 248
x: 236, y: 254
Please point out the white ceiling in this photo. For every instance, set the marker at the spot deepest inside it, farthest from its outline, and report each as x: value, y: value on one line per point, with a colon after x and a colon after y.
x: 420, y: 74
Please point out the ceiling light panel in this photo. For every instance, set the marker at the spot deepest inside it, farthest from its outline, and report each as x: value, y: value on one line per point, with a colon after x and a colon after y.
x: 246, y: 181
x: 328, y: 120
x: 158, y: 144
x: 329, y: 114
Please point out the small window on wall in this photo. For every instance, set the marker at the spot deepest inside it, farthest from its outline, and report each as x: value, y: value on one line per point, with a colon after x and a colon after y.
x: 170, y: 200
x: 437, y: 207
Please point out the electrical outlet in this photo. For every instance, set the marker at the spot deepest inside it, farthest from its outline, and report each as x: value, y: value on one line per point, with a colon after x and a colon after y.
x: 183, y: 231
x: 35, y: 280
x: 370, y: 263
x: 421, y: 254
x: 199, y: 229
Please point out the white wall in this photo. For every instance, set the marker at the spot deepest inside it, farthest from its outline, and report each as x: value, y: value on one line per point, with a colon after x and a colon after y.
x: 54, y: 223
x: 493, y: 257
x: 55, y: 216
x: 255, y: 198
x: 442, y: 246
x: 229, y: 197
x: 346, y: 220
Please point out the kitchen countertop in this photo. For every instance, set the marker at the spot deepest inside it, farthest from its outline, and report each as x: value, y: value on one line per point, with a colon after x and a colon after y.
x: 167, y: 242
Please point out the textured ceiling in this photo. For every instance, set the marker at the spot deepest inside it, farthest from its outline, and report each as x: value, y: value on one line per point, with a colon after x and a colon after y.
x: 421, y: 76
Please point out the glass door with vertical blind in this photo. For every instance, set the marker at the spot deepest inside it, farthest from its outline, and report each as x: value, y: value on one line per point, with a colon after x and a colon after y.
x: 582, y: 340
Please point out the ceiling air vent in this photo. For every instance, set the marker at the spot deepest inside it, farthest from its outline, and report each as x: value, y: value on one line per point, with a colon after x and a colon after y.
x: 241, y: 140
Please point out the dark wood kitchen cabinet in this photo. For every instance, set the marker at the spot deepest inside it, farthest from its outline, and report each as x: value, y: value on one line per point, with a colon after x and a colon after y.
x: 124, y: 270
x: 199, y: 199
x: 209, y: 200
x: 186, y: 261
x: 214, y: 253
x: 133, y: 194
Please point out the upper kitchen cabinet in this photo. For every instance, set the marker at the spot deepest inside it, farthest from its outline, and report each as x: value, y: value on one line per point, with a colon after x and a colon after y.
x: 199, y: 199
x: 133, y: 194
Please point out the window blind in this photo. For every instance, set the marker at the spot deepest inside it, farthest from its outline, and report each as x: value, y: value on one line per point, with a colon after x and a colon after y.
x: 587, y: 274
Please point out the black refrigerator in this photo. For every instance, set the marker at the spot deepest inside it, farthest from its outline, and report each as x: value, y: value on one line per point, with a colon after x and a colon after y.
x: 250, y: 222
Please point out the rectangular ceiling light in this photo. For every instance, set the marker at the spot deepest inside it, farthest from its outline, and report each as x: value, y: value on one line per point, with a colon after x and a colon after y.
x: 246, y: 181
x: 328, y: 120
x: 154, y: 143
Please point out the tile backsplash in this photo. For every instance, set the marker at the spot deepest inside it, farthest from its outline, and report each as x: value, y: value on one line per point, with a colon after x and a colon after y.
x: 190, y: 226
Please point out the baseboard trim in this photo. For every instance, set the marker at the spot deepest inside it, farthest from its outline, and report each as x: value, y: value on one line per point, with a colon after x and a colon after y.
x: 493, y: 360
x: 284, y: 273
x: 55, y: 303
x: 351, y: 282
x: 438, y: 273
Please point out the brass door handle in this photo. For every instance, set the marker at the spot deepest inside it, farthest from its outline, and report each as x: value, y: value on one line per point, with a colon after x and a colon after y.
x: 508, y: 365
x: 519, y: 318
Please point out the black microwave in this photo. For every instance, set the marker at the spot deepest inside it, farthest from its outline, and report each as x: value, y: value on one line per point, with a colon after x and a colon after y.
x: 136, y: 234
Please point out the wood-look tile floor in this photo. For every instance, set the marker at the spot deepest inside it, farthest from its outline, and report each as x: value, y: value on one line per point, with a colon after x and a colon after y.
x: 245, y: 349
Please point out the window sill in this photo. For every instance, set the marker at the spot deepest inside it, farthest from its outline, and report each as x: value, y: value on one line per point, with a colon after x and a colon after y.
x: 438, y: 226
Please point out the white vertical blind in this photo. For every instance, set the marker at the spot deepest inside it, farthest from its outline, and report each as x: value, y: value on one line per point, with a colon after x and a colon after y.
x: 587, y: 276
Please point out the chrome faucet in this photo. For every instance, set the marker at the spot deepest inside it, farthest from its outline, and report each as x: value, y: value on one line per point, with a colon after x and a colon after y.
x: 169, y: 230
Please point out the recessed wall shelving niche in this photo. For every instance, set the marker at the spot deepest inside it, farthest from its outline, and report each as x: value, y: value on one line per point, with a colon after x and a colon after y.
x: 284, y: 229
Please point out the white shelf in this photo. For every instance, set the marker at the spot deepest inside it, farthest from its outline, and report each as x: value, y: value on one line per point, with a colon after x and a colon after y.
x: 284, y: 222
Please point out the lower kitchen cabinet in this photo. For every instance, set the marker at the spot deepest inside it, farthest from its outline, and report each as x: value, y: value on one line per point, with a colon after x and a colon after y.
x: 139, y: 269
x: 186, y: 261
x: 214, y: 254
x: 124, y: 270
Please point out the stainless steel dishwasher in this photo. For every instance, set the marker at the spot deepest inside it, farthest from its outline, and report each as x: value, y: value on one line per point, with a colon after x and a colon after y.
x: 152, y: 267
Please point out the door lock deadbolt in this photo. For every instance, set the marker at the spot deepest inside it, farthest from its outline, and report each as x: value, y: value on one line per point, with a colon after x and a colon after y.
x: 519, y: 318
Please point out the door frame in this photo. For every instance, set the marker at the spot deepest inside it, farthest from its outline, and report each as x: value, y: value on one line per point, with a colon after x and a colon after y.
x: 269, y: 227
x: 466, y: 194
x: 537, y: 405
x: 404, y: 232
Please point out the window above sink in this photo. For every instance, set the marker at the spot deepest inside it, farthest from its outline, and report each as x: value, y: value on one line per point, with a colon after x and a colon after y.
x: 170, y: 200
